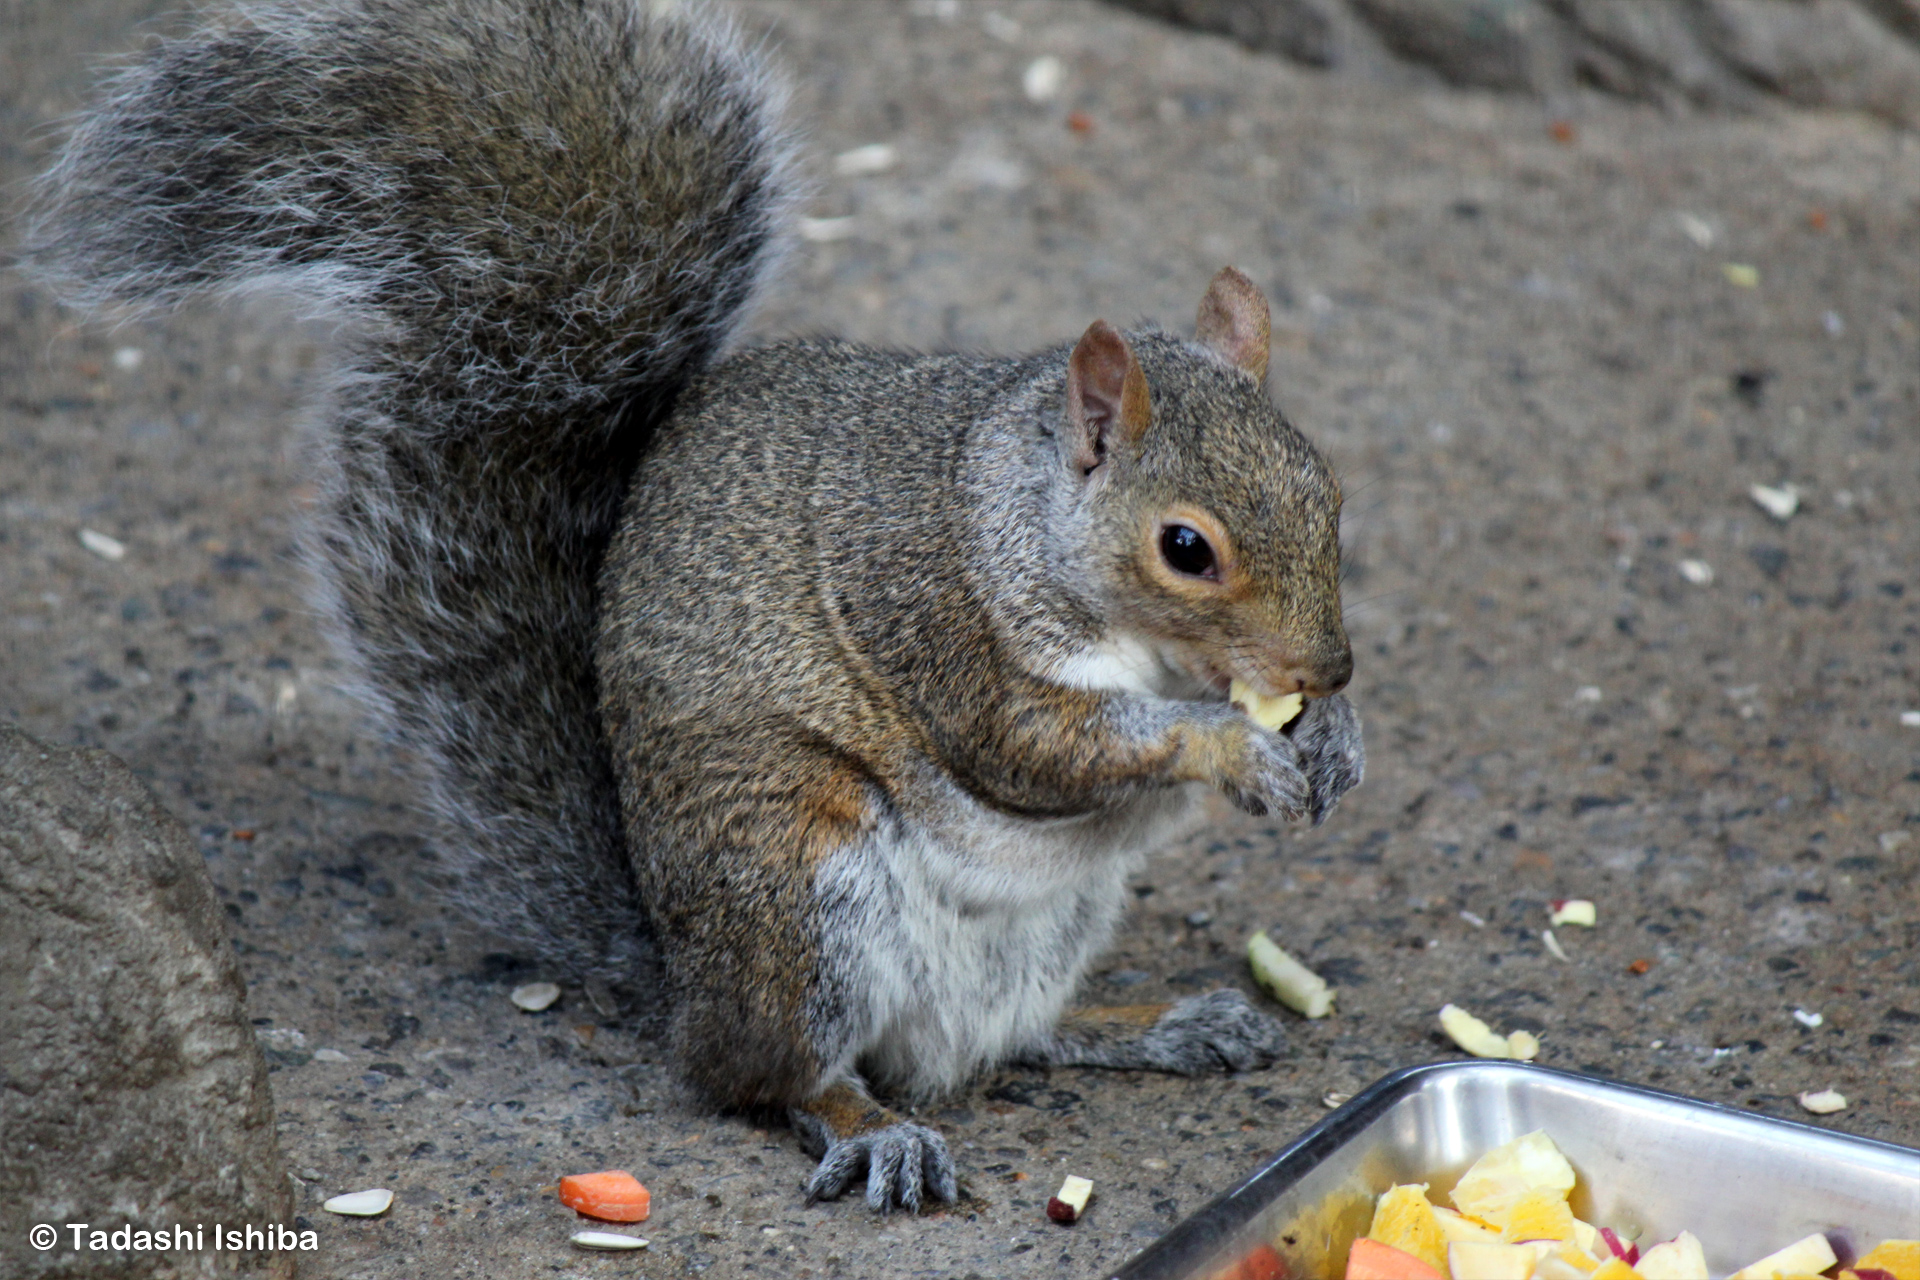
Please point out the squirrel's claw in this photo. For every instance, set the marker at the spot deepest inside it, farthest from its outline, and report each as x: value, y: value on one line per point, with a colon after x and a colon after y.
x: 903, y: 1163
x: 1332, y: 756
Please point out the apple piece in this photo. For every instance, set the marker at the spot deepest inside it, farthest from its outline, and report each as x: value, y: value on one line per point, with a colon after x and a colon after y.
x: 1899, y: 1258
x: 1070, y: 1201
x: 1809, y: 1256
x: 1455, y: 1225
x: 1578, y: 911
x: 1269, y: 713
x: 1680, y: 1258
x: 1405, y: 1221
x: 1291, y: 983
x: 1559, y: 1267
x: 1484, y: 1260
x: 1501, y: 1178
x: 1473, y: 1035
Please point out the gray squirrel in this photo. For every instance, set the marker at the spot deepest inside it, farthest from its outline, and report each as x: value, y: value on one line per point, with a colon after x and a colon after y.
x: 833, y: 690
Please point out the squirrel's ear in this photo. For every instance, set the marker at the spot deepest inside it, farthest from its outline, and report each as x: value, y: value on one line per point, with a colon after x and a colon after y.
x: 1235, y: 322
x: 1107, y: 397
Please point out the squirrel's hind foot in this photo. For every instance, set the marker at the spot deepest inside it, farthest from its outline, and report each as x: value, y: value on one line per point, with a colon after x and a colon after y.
x: 852, y: 1134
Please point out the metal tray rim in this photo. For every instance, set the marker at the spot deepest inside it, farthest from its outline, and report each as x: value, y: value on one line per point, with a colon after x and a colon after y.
x: 1293, y: 1161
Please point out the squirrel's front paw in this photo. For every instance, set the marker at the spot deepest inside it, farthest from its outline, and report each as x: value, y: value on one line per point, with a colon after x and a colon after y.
x: 1267, y: 777
x: 903, y: 1162
x: 1327, y: 738
x: 1213, y: 1032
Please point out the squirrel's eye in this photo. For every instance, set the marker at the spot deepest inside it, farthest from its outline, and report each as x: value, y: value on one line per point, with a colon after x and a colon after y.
x: 1185, y: 551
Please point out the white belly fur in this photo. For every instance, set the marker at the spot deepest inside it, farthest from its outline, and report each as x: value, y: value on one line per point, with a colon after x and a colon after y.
x: 947, y: 950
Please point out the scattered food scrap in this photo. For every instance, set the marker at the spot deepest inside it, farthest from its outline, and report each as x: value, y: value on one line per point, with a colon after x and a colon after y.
x: 1808, y: 1020
x: 1741, y: 275
x: 1043, y: 78
x: 1070, y: 1201
x: 361, y: 1204
x: 611, y: 1241
x: 1480, y: 1040
x: 1291, y: 983
x: 1698, y: 572
x: 1640, y: 966
x: 535, y: 996
x: 611, y: 1196
x: 105, y: 547
x: 875, y: 157
x: 1553, y: 945
x: 1779, y: 501
x: 1572, y: 911
x: 1823, y: 1103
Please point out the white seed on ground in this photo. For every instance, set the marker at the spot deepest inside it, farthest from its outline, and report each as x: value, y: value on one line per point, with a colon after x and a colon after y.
x: 1043, y: 78
x: 607, y: 1240
x: 329, y: 1055
x: 535, y: 996
x: 103, y: 546
x: 1553, y: 945
x: 1824, y: 1103
x: 1292, y: 983
x: 875, y: 157
x: 127, y: 359
x: 1698, y: 572
x: 1808, y: 1020
x: 1779, y: 502
x: 361, y: 1204
x: 827, y: 230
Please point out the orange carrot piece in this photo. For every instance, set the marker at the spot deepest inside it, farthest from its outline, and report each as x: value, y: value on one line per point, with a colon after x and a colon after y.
x: 613, y: 1196
x: 1371, y: 1260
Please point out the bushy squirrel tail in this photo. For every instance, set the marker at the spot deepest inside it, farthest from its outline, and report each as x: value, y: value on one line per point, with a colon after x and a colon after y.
x: 536, y: 219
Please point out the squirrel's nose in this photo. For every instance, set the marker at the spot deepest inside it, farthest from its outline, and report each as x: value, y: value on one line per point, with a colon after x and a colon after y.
x: 1317, y: 673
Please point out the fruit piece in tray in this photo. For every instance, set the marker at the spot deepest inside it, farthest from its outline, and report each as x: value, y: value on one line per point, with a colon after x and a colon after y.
x: 1680, y: 1258
x: 1899, y: 1259
x: 1405, y: 1220
x: 1368, y: 1259
x: 1495, y: 1184
x: 1809, y: 1256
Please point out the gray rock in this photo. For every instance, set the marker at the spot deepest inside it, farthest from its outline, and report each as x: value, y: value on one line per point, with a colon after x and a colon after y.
x: 1854, y: 54
x: 1296, y: 29
x: 132, y: 1092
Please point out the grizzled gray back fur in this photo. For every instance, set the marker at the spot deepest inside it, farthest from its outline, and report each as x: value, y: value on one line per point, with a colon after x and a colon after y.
x: 458, y: 182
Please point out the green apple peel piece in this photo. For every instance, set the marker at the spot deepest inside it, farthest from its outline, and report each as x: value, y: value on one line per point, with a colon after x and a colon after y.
x: 1292, y: 983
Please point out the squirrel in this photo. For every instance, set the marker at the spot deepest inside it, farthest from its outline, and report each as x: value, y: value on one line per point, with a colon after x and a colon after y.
x: 835, y: 690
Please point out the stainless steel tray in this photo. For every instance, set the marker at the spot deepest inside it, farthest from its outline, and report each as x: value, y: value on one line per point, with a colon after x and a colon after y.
x: 1744, y: 1184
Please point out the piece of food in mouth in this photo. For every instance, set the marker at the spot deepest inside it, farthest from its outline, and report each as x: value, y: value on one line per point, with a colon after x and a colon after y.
x: 1268, y: 713
x: 1291, y: 983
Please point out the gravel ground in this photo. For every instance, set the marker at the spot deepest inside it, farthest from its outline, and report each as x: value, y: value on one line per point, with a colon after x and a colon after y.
x: 1549, y: 345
